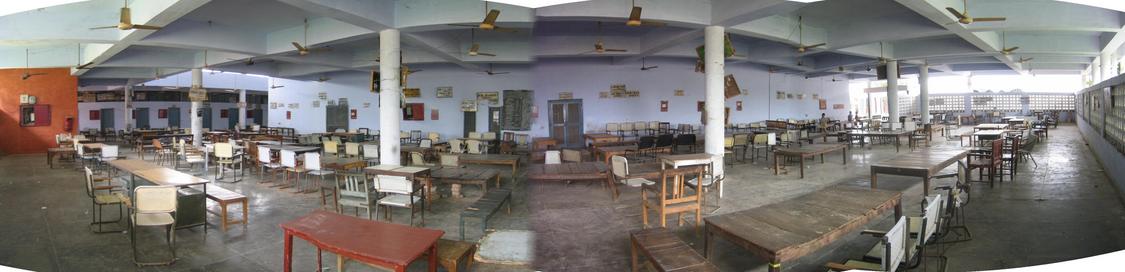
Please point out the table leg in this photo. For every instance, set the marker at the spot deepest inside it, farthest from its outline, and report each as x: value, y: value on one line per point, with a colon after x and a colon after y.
x: 803, y: 165
x: 633, y: 253
x: 925, y: 186
x: 776, y: 165
x: 775, y: 265
x: 433, y: 258
x: 707, y: 242
x: 898, y: 210
x: 514, y: 166
x: 288, y: 265
x: 874, y: 182
x: 845, y: 157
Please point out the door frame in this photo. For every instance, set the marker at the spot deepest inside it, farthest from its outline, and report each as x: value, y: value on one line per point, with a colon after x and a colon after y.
x: 581, y: 122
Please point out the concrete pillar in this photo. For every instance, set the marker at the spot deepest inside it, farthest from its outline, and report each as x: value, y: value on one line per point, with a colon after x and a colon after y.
x: 892, y: 92
x: 196, y: 118
x: 1107, y: 66
x: 130, y: 123
x: 1096, y: 70
x: 713, y: 96
x: 242, y: 108
x: 390, y: 112
x: 924, y: 92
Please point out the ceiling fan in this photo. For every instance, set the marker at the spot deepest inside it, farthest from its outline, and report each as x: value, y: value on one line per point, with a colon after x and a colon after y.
x: 635, y: 18
x: 599, y: 46
x: 303, y: 49
x: 1003, y: 48
x: 474, y: 50
x: 81, y: 65
x: 491, y: 72
x: 964, y: 18
x: 323, y: 79
x: 646, y: 68
x: 276, y: 86
x: 1024, y: 60
x: 801, y: 47
x: 489, y: 22
x: 248, y: 61
x: 27, y: 66
x: 126, y: 22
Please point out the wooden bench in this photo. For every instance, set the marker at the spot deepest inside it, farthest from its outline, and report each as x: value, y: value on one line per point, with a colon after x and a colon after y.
x: 226, y: 197
x: 666, y: 252
x: 485, y: 207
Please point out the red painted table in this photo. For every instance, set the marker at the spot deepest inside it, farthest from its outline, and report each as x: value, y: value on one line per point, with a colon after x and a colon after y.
x: 387, y: 245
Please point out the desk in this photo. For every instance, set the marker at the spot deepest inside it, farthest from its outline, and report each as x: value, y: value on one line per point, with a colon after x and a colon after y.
x: 863, y: 134
x: 163, y: 176
x: 61, y: 151
x: 572, y: 171
x: 990, y: 126
x: 987, y: 135
x: 807, y: 151
x: 493, y: 159
x: 602, y: 138
x: 387, y: 245
x: 707, y: 160
x: 794, y: 228
x: 342, y: 164
x: 610, y: 151
x: 295, y: 149
x: 924, y: 164
x: 458, y: 176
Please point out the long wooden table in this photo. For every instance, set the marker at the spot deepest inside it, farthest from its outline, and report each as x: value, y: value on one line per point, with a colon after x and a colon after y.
x: 610, y: 151
x: 924, y: 164
x: 572, y: 171
x: 864, y: 134
x: 458, y: 176
x: 377, y: 243
x: 990, y: 126
x: 794, y: 228
x: 493, y: 159
x: 163, y: 176
x: 807, y: 151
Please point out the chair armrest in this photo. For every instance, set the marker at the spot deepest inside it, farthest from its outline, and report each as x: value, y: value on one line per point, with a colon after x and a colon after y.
x: 874, y: 233
x: 837, y: 267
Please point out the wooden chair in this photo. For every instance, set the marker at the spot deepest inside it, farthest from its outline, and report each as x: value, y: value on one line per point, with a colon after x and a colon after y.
x: 397, y: 191
x: 667, y: 197
x: 989, y: 160
x: 895, y: 246
x: 354, y: 189
x: 684, y: 139
x: 1009, y: 159
x: 153, y: 206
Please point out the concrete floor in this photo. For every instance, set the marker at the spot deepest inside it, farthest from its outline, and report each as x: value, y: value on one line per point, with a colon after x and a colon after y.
x: 1063, y: 209
x: 45, y: 212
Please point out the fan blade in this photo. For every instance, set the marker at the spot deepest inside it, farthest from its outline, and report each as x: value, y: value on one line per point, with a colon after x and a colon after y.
x: 486, y: 54
x: 465, y: 25
x: 955, y: 13
x: 816, y: 45
x: 102, y: 27
x: 489, y: 21
x: 83, y: 66
x: 126, y: 16
x: 148, y: 27
x: 299, y: 47
x: 634, y: 17
x: 652, y: 23
x: 1010, y: 49
x: 989, y: 19
x: 615, y: 50
x: 504, y: 29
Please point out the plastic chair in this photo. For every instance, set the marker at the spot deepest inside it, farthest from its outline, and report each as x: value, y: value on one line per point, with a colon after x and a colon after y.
x: 552, y: 157
x: 332, y: 148
x: 266, y: 161
x: 351, y: 150
x: 475, y: 146
x: 620, y: 167
x: 894, y: 250
x: 456, y: 146
x: 312, y: 164
x: 371, y: 154
x: 189, y: 154
x: 224, y: 154
x: 153, y: 206
x: 398, y: 192
x: 289, y: 163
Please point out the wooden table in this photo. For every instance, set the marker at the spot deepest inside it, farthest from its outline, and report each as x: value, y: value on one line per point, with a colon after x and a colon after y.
x: 794, y: 228
x: 572, y: 171
x: 543, y: 143
x: 990, y: 126
x: 381, y: 244
x: 930, y: 128
x: 61, y: 151
x: 602, y: 138
x: 675, y: 161
x: 807, y: 151
x: 294, y: 148
x: 924, y: 164
x: 610, y: 151
x: 458, y: 176
x: 493, y: 159
x: 987, y: 135
x: 342, y: 164
x: 162, y: 176
x: 863, y: 134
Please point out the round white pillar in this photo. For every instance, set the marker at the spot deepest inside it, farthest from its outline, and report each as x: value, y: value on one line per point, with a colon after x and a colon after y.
x: 196, y: 117
x: 892, y: 93
x: 714, y: 95
x: 390, y: 113
x: 924, y: 92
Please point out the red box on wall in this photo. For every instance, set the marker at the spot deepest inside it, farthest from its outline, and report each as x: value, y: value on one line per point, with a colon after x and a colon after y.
x: 162, y: 113
x: 95, y: 115
x: 224, y: 113
x: 288, y: 115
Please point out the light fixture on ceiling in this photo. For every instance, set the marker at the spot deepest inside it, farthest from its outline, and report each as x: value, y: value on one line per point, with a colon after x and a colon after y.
x: 535, y: 3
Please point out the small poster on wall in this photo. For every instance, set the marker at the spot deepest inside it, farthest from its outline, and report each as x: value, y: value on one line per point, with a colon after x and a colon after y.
x: 823, y: 104
x: 162, y: 113
x: 322, y: 95
x: 837, y: 106
x: 663, y: 105
x: 699, y: 106
x: 566, y: 95
x: 366, y: 105
x: 95, y: 115
x: 273, y: 105
x: 433, y: 114
x: 678, y: 93
x: 603, y: 95
x: 738, y: 105
x: 492, y: 98
x: 316, y: 103
x: 469, y: 105
x: 288, y: 115
x: 222, y: 113
x: 444, y: 92
x: 780, y: 95
x: 354, y: 114
x: 412, y: 92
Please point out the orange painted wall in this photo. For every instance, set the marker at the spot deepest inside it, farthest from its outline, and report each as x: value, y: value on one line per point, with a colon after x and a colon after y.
x: 57, y: 88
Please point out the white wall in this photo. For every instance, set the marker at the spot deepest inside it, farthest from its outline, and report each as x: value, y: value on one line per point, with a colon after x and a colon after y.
x: 154, y: 107
x: 355, y: 87
x: 586, y: 78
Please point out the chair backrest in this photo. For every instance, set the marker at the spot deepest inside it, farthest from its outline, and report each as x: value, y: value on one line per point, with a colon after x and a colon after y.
x: 89, y: 182
x: 224, y: 150
x: 339, y: 130
x: 521, y: 139
x: 393, y: 184
x: 910, y: 126
x: 474, y: 135
x: 895, y: 245
x: 79, y: 148
x: 353, y: 184
x: 760, y: 139
x: 336, y: 139
x: 997, y: 147
x: 620, y: 166
x: 450, y: 160
x: 664, y: 140
x: 669, y: 175
x: 416, y: 158
x: 685, y: 139
x: 612, y: 127
x: 456, y: 146
x: 154, y: 199
x: 434, y: 136
x: 488, y: 136
x: 331, y: 147
x: 931, y: 217
x: 741, y: 139
x: 728, y: 142
x: 427, y: 143
x: 552, y: 157
x: 109, y: 151
x: 771, y: 138
x: 264, y: 154
x: 474, y: 146
x: 654, y: 125
x: 640, y: 125
x: 569, y: 155
x: 351, y: 149
x: 157, y: 144
x: 646, y: 142
x: 288, y: 158
x: 627, y: 126
x: 312, y: 161
x: 371, y: 151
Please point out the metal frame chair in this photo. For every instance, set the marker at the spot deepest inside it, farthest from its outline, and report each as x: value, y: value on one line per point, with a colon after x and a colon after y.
x: 225, y: 156
x: 100, y: 200
x: 153, y: 206
x: 371, y: 154
x: 397, y: 191
x: 895, y: 245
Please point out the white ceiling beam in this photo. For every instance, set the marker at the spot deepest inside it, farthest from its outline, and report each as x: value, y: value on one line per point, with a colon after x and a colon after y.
x: 985, y: 41
x: 735, y: 12
x: 655, y: 42
x: 157, y: 13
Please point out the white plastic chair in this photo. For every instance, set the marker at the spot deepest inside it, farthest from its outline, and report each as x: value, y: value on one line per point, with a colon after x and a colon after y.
x: 312, y: 164
x: 475, y: 146
x: 426, y: 143
x: 456, y: 146
x: 331, y: 148
x: 351, y: 150
x: 289, y: 162
x: 552, y: 157
x: 371, y: 154
x: 474, y: 135
x: 621, y: 173
x: 488, y: 136
x: 895, y: 247
x: 398, y: 192
x: 154, y: 206
x: 266, y: 161
x: 224, y: 154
